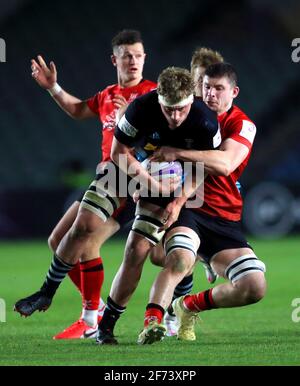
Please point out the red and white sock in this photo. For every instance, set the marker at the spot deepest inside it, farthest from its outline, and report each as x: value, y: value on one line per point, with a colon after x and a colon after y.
x: 92, y: 277
x: 201, y: 301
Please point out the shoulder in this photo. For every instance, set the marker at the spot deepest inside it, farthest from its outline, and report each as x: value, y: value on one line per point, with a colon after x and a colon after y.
x: 237, y: 124
x: 148, y: 84
x: 146, y: 100
x: 200, y: 108
x: 202, y: 115
x: 142, y: 109
x: 236, y: 115
x: 108, y: 89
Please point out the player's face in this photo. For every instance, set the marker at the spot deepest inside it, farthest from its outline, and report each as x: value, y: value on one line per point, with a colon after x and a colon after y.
x: 218, y: 93
x: 198, y: 73
x: 176, y: 115
x: 129, y: 60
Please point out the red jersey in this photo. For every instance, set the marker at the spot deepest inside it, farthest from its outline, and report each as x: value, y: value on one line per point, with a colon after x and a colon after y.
x: 221, y: 196
x: 102, y: 105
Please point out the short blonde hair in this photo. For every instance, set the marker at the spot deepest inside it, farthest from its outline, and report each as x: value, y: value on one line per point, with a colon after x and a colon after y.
x: 204, y: 57
x: 175, y: 84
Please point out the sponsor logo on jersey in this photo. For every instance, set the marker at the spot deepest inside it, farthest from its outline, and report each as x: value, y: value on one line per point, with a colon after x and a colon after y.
x: 110, y: 121
x: 108, y: 99
x: 127, y: 128
x: 150, y: 147
x: 132, y: 97
x: 155, y: 135
x: 248, y: 131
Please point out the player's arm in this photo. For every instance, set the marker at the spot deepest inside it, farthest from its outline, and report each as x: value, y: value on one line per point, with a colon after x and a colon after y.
x: 121, y: 111
x: 122, y: 155
x: 127, y: 133
x: 173, y: 209
x: 221, y: 162
x: 46, y: 77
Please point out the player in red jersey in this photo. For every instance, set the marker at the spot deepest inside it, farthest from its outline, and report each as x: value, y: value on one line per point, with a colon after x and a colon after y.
x: 213, y: 230
x: 80, y: 233
x: 202, y: 58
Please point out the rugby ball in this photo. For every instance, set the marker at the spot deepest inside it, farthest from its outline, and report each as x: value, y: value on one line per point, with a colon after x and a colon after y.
x: 163, y: 170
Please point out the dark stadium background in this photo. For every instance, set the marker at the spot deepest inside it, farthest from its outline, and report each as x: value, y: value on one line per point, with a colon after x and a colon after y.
x: 40, y: 145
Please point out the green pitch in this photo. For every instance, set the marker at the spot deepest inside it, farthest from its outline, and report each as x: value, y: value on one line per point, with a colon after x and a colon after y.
x: 260, y: 334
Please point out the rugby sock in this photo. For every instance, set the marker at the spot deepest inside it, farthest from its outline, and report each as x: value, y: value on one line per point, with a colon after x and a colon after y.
x: 74, y: 275
x: 57, y: 272
x: 101, y: 308
x: 154, y: 313
x: 199, y: 302
x: 92, y: 277
x: 182, y: 288
x: 111, y: 314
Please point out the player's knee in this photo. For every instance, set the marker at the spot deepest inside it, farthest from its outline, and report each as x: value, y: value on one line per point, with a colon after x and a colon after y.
x: 247, y: 275
x: 255, y: 292
x: 179, y: 263
x: 181, y: 251
x: 136, y: 254
x: 157, y: 257
x: 84, y: 228
x: 252, y: 288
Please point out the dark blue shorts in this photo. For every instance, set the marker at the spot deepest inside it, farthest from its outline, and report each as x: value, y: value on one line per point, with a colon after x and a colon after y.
x: 215, y: 233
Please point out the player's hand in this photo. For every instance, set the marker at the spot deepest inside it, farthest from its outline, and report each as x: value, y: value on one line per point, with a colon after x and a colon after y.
x: 45, y: 76
x: 171, y: 214
x: 165, y: 153
x: 169, y: 185
x: 119, y: 101
x: 136, y: 196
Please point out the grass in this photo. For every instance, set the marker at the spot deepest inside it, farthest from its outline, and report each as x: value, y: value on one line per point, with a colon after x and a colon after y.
x: 261, y: 334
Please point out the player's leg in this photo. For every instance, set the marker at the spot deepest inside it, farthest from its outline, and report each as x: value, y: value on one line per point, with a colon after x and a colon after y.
x: 245, y: 272
x: 121, y: 217
x: 158, y: 257
x: 91, y: 280
x: 80, y: 243
x: 246, y: 286
x: 72, y: 247
x: 181, y: 245
x: 54, y: 239
x: 145, y: 233
x: 62, y: 227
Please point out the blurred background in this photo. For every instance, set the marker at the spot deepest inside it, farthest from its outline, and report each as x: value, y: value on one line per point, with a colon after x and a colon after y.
x: 46, y: 156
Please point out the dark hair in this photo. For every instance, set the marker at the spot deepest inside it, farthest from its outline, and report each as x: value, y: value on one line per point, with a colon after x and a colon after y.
x: 218, y: 70
x: 127, y: 36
